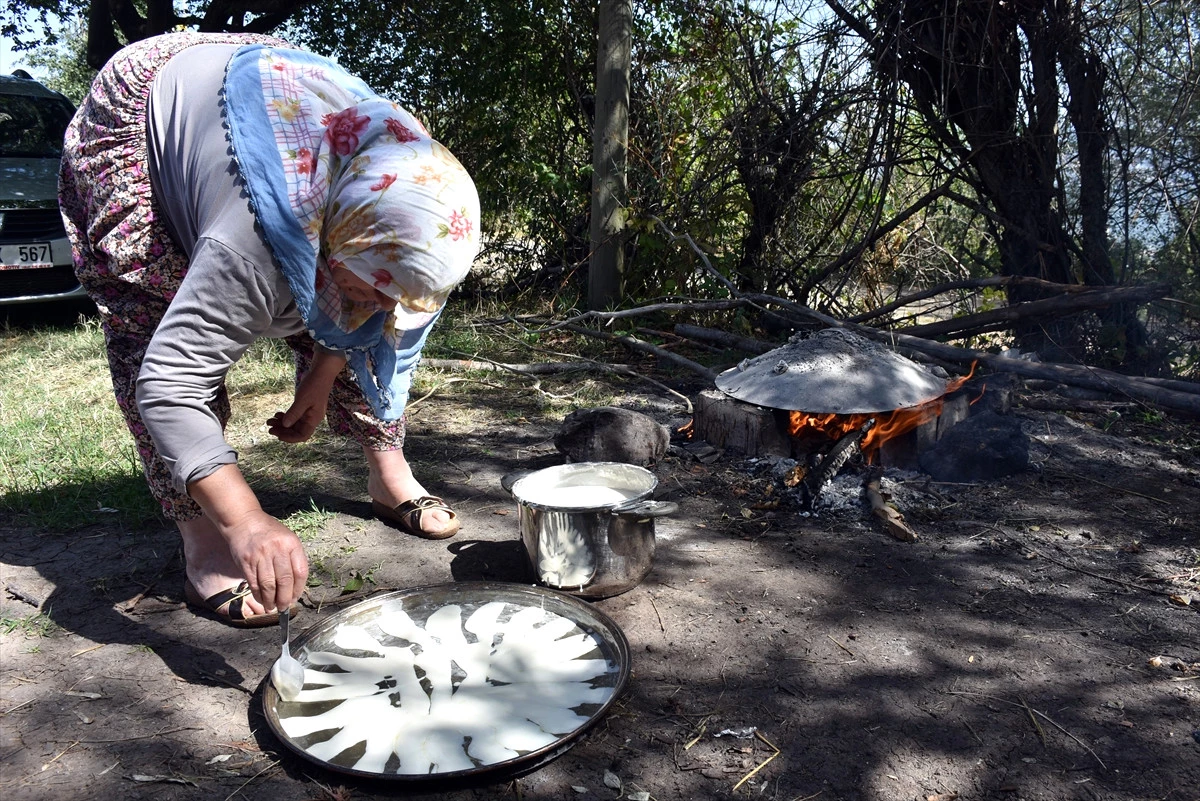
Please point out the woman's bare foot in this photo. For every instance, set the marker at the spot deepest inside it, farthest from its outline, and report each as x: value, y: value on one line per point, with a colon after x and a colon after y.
x: 210, y: 567
x: 391, y: 482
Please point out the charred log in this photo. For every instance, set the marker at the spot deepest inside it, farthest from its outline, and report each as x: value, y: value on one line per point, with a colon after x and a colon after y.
x: 839, y: 455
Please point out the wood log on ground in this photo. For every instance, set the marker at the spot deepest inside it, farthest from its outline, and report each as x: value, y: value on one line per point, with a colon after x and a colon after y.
x: 24, y: 597
x: 633, y: 343
x: 1174, y: 399
x: 670, y: 338
x: 550, y: 368
x: 1059, y: 403
x: 537, y: 368
x: 1170, y: 394
x: 891, y: 519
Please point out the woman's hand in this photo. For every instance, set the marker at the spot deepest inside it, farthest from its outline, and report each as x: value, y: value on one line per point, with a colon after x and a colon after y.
x: 301, y: 419
x: 268, y: 553
x: 271, y: 559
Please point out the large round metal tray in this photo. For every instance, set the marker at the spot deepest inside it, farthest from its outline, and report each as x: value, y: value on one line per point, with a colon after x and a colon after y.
x: 451, y: 682
x: 833, y: 371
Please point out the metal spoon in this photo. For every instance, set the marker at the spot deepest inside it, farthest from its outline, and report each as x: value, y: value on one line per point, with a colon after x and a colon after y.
x: 287, y: 674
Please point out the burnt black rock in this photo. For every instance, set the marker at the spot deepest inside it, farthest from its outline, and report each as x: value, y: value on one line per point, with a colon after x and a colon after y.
x: 609, y: 434
x: 982, y: 447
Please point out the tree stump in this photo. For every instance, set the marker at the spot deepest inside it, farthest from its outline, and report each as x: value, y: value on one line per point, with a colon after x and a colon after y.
x: 732, y: 424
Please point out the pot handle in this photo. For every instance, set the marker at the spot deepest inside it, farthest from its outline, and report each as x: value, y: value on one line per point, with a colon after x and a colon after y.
x: 643, y: 509
x: 512, y: 478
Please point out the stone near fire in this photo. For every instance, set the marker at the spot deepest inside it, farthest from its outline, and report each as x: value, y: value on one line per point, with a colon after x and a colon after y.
x: 983, y: 447
x: 609, y: 434
x: 833, y: 371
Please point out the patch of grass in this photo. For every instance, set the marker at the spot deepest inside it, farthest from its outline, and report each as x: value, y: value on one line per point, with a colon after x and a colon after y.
x: 67, y: 458
x: 67, y: 461
x: 455, y: 334
x: 267, y: 368
x: 307, y: 523
x: 260, y: 384
x: 36, y: 625
x: 323, y: 569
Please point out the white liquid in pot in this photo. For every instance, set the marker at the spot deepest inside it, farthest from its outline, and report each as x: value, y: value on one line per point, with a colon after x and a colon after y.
x: 584, y: 496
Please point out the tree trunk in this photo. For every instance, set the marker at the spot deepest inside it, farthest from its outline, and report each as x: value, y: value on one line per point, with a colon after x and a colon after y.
x: 101, y: 39
x: 610, y: 141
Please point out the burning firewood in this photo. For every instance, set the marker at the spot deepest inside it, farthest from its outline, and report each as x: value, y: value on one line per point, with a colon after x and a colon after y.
x: 842, y: 452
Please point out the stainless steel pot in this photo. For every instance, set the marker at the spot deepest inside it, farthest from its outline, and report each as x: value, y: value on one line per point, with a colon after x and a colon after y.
x: 588, y: 528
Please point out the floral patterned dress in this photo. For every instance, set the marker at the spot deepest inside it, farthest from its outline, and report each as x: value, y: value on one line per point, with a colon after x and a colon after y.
x: 127, y: 261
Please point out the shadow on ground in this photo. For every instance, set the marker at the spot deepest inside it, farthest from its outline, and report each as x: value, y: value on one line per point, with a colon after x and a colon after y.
x: 1026, y: 647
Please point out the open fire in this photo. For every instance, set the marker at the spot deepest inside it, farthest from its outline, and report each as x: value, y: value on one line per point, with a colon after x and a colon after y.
x: 814, y: 428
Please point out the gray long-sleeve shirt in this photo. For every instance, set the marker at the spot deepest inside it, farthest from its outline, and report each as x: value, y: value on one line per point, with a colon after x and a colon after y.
x: 234, y: 291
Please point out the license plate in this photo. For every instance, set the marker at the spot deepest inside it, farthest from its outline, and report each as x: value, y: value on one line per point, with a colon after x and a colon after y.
x: 20, y: 257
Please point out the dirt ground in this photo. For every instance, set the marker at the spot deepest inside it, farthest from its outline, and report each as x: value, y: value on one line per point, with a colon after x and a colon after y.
x: 1034, y: 643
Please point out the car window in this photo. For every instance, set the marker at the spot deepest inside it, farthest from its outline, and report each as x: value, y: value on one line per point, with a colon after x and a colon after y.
x: 32, y: 127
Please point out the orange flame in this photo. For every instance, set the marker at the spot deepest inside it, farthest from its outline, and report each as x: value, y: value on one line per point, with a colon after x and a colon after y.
x: 888, y: 425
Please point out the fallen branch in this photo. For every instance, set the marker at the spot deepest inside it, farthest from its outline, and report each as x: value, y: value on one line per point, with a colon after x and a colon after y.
x: 633, y: 343
x: 1126, y: 490
x: 1077, y: 375
x: 548, y: 368
x: 413, y: 404
x: 892, y: 520
x: 761, y: 765
x: 20, y: 595
x: 204, y: 674
x: 641, y: 311
x: 1047, y: 308
x: 1062, y: 404
x: 673, y: 338
x: 132, y: 603
x: 131, y: 738
x: 1174, y: 395
x: 487, y: 365
x: 839, y: 645
x: 970, y: 283
x: 1152, y: 391
x: 725, y: 340
x: 1110, y: 579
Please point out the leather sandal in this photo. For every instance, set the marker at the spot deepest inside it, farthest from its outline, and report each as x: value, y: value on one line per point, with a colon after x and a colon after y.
x: 228, y: 606
x: 407, y: 516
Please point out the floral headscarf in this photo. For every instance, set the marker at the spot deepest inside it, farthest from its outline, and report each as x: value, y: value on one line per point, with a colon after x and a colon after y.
x: 339, y: 177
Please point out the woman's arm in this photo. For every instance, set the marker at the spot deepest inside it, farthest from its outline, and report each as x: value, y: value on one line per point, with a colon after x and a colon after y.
x: 312, y: 398
x: 223, y: 305
x: 270, y: 555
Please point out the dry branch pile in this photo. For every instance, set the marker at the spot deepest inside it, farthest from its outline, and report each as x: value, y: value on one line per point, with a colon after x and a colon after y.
x: 916, y: 341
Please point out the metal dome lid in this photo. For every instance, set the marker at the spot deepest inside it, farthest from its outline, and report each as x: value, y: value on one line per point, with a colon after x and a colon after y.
x: 833, y: 371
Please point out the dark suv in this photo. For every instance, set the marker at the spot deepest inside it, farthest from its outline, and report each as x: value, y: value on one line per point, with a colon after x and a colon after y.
x: 35, y: 256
